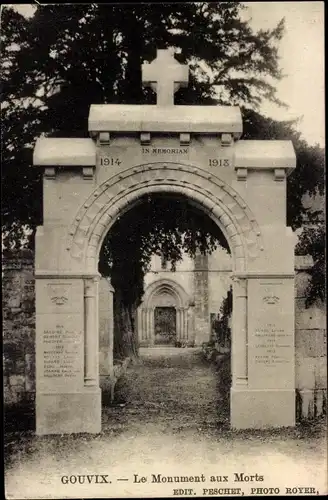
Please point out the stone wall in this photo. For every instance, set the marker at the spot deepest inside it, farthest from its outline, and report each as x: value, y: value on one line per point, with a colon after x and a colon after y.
x: 18, y: 311
x: 182, y: 275
x: 201, y: 309
x: 310, y: 348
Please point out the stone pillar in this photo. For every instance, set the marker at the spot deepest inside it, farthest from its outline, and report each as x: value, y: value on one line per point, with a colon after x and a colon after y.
x: 139, y: 326
x: 142, y: 326
x: 91, y: 330
x: 263, y: 390
x: 145, y: 324
x: 191, y: 325
x: 201, y: 309
x: 106, y: 337
x: 68, y: 397
x: 151, y: 324
x: 178, y: 324
x: 185, y: 324
x: 239, y: 333
x: 111, y: 328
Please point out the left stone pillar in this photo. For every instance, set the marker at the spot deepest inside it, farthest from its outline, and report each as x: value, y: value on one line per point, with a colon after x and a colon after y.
x: 68, y: 397
x: 91, y: 339
x: 106, y: 335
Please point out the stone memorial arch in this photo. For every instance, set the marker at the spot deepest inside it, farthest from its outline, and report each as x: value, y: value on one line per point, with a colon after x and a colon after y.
x: 188, y: 151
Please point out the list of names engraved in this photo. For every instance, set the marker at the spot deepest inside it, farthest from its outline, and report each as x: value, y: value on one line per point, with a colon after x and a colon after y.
x: 61, y: 355
x: 271, y: 346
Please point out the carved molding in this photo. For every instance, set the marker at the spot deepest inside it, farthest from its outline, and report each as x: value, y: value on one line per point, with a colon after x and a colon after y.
x: 88, y: 172
x: 104, y: 138
x: 226, y: 140
x: 279, y: 174
x: 145, y: 138
x: 215, y: 197
x: 169, y: 286
x: 271, y: 299
x: 50, y: 172
x: 239, y: 286
x: 58, y: 293
x: 241, y: 174
x: 184, y: 139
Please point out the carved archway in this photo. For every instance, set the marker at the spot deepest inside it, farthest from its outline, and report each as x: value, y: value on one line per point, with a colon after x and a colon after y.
x: 180, y: 301
x: 206, y: 191
x: 122, y: 191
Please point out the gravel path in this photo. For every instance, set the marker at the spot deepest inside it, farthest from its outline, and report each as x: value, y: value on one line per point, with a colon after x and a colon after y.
x: 170, y: 388
x: 169, y: 419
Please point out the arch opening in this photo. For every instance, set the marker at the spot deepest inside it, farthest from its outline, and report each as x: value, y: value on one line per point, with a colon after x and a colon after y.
x: 156, y: 223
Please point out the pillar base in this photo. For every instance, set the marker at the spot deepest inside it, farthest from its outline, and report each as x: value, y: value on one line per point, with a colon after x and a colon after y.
x: 67, y: 413
x: 262, y: 408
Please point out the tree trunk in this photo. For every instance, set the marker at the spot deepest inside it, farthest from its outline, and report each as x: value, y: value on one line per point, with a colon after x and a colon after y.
x: 125, y: 336
x: 133, y: 42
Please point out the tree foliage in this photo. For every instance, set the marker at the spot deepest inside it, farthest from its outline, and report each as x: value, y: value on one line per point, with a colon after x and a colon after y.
x: 66, y: 57
x: 312, y: 242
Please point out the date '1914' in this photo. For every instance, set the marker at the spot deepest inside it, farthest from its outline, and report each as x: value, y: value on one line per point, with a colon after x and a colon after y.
x: 109, y: 161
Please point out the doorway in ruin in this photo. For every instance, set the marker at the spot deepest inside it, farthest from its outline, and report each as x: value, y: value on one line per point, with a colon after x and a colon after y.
x: 165, y: 332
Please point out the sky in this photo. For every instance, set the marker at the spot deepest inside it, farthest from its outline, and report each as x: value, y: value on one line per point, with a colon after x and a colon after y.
x: 301, y: 53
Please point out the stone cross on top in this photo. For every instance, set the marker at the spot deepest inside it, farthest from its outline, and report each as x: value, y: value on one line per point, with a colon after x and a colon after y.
x: 165, y: 76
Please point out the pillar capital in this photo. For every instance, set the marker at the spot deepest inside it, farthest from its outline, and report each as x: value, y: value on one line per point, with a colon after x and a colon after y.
x: 90, y: 287
x: 239, y: 286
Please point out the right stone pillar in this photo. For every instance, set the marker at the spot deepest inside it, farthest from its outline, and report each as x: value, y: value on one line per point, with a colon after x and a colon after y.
x: 266, y: 398
x: 263, y: 350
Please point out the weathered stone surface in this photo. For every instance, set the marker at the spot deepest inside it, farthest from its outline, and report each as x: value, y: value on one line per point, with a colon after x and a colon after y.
x: 311, y: 373
x: 311, y: 343
x: 302, y: 280
x: 18, y: 309
x: 309, y: 318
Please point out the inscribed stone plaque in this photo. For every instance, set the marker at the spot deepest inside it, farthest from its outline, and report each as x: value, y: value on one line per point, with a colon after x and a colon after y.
x: 271, y: 333
x: 60, y: 353
x: 60, y: 336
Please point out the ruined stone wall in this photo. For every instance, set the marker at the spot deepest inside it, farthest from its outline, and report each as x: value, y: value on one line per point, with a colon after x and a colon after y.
x: 18, y: 312
x: 310, y: 347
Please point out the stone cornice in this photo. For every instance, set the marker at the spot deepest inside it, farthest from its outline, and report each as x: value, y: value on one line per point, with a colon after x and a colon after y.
x: 261, y: 274
x: 64, y: 152
x: 263, y: 155
x: 150, y: 118
x: 64, y: 275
